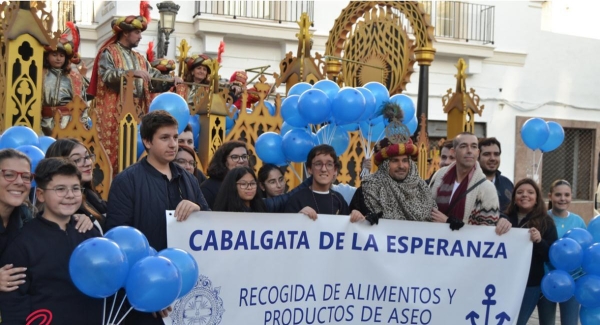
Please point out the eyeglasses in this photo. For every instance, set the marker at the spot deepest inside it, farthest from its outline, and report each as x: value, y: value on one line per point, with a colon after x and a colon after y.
x: 81, y: 161
x: 184, y: 162
x: 237, y: 158
x: 61, y: 191
x: 11, y: 175
x: 319, y: 165
x: 245, y: 186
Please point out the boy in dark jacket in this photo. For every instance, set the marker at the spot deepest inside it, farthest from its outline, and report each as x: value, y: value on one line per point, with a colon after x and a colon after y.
x: 44, y: 247
x: 140, y: 195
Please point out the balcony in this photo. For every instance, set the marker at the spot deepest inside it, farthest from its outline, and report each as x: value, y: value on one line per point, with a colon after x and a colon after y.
x: 275, y: 11
x: 463, y: 21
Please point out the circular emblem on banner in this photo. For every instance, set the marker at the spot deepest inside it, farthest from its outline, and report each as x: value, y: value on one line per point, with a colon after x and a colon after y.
x: 202, y: 305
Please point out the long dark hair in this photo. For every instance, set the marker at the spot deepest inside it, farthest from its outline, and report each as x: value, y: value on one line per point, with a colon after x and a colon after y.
x: 554, y: 184
x: 538, y: 217
x: 63, y: 148
x: 217, y: 168
x: 228, y: 198
x: 263, y: 175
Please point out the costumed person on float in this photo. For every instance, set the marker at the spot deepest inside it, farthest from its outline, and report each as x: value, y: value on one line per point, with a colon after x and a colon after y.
x: 198, y: 71
x: 60, y: 82
x: 115, y: 58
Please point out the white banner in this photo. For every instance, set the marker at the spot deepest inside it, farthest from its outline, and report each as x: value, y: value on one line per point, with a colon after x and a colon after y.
x: 285, y: 269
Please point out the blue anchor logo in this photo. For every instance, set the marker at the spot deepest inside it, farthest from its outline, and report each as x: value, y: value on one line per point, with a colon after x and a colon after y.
x: 490, y: 291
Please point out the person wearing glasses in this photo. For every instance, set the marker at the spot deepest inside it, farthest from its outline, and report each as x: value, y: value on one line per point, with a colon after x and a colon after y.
x: 323, y: 164
x: 186, y: 158
x: 230, y: 154
x: 44, y: 246
x: 92, y: 205
x: 238, y: 193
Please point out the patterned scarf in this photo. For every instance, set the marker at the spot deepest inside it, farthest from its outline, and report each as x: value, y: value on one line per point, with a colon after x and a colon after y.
x: 445, y: 192
x: 409, y: 199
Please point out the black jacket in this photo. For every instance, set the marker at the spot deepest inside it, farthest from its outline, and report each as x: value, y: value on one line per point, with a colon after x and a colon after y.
x: 540, y: 250
x: 210, y: 189
x: 504, y: 187
x: 16, y: 220
x: 139, y: 197
x: 45, y: 249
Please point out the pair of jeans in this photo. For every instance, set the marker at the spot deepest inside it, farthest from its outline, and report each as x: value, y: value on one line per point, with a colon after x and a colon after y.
x: 569, y: 312
x: 530, y: 300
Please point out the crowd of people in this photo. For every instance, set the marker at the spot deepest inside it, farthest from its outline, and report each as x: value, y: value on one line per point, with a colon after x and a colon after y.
x: 34, y: 251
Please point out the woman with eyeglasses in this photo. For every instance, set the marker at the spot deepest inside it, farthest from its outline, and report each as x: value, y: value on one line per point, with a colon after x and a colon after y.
x: 528, y: 210
x: 92, y: 205
x: 239, y: 193
x: 230, y: 154
x: 186, y: 158
x: 271, y: 180
x: 15, y: 185
x: 560, y: 200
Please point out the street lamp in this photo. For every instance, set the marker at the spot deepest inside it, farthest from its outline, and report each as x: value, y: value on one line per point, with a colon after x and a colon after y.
x: 168, y: 12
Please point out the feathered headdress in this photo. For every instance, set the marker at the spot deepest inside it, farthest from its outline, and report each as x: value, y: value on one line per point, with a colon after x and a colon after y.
x: 220, y: 52
x: 392, y: 111
x: 150, y: 52
x: 145, y: 10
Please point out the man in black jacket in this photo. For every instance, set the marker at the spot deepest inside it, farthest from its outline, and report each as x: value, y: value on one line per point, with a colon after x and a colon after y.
x: 489, y: 160
x: 140, y: 195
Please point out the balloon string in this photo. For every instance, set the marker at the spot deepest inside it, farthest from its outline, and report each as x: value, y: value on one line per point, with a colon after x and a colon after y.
x: 295, y: 172
x: 113, y: 307
x: 104, y: 313
x: 123, y: 318
x: 34, y: 196
x: 362, y: 141
x: 118, y: 310
x: 537, y: 170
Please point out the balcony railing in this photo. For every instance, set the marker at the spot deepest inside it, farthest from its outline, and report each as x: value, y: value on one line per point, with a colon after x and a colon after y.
x: 459, y: 20
x: 277, y: 11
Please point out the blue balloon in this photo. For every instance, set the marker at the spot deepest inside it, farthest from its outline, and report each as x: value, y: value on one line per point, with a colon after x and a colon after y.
x: 34, y: 153
x: 591, y: 259
x: 131, y: 241
x: 535, y: 133
x: 140, y: 144
x: 98, y: 267
x: 407, y: 105
x: 299, y: 88
x: 296, y: 145
x: 347, y: 106
x: 377, y: 120
x: 153, y: 284
x: 290, y: 113
x: 556, y: 137
x: 285, y: 128
x: 370, y: 104
x: 334, y: 136
x: 44, y: 142
x: 412, y: 125
x: 329, y: 87
x: 381, y: 94
x: 589, y: 316
x: 270, y: 107
x: 175, y: 105
x: 314, y: 106
x: 594, y: 228
x: 268, y: 148
x: 377, y: 131
x: 587, y: 291
x: 187, y: 266
x: 558, y: 286
x: 195, y: 124
x: 151, y: 251
x: 16, y: 136
x: 349, y: 127
x: 581, y: 236
x: 566, y: 254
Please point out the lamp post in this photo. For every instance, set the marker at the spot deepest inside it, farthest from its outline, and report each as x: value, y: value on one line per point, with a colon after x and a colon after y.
x: 168, y: 12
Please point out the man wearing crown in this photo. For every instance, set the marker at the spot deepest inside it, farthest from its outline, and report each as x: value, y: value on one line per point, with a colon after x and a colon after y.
x: 115, y: 58
x: 61, y: 84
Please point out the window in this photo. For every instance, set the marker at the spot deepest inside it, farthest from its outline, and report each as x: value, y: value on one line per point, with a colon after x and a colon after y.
x: 574, y: 162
